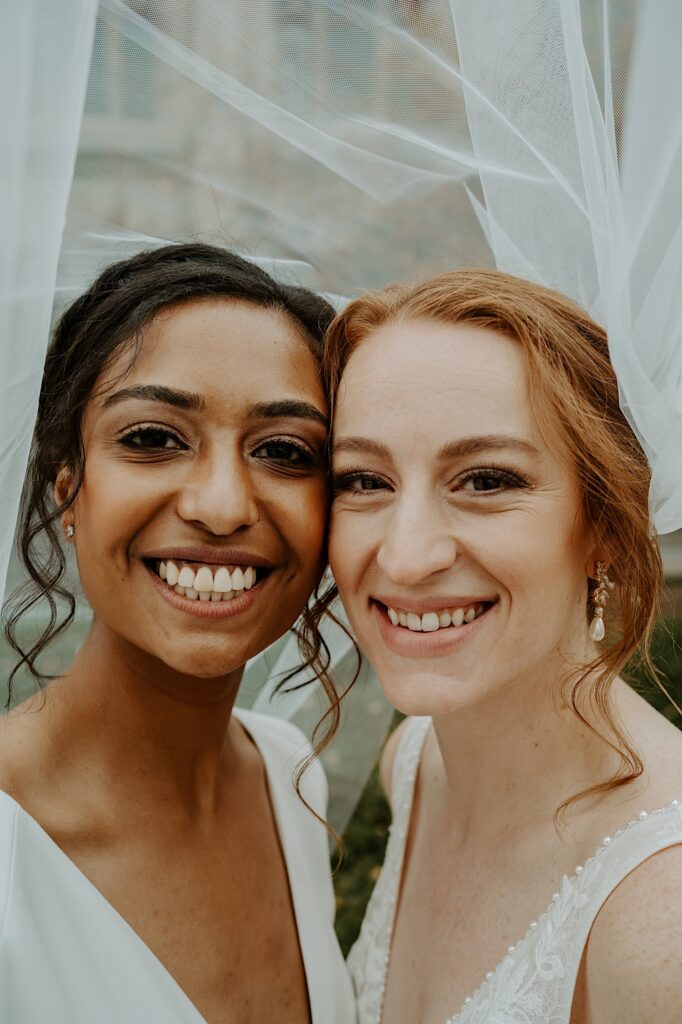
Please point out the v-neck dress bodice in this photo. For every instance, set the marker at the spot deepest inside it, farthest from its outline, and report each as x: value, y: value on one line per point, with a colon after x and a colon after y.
x: 535, y: 981
x: 68, y: 957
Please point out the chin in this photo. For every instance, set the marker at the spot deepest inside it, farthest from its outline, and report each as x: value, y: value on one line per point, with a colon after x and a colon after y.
x: 201, y: 661
x: 424, y: 693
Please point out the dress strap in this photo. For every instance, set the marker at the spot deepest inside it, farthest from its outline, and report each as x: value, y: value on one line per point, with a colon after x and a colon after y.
x: 536, y: 981
x: 619, y: 855
x: 407, y: 757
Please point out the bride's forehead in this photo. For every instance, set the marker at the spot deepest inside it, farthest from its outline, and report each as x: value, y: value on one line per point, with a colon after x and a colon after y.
x: 218, y: 343
x: 429, y: 365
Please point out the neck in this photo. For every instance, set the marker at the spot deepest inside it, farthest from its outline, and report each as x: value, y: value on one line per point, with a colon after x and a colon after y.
x: 524, y: 753
x: 141, y: 726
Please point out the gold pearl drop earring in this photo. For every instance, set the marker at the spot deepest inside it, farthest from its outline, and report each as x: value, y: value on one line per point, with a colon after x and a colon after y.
x: 600, y: 596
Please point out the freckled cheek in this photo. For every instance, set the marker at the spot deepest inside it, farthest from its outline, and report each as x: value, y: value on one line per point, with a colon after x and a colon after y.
x: 352, y: 546
x: 530, y: 561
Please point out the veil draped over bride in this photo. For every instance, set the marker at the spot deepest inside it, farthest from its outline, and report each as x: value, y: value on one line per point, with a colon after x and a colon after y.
x: 344, y: 144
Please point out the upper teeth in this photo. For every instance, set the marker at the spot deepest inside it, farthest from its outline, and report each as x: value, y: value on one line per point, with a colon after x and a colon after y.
x: 205, y: 583
x: 432, y: 621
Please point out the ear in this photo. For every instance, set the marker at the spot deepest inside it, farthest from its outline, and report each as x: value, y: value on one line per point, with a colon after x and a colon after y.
x: 602, y: 554
x: 62, y: 490
x: 600, y: 550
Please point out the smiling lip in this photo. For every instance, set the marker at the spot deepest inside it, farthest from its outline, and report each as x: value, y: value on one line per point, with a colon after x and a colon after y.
x: 424, y: 645
x: 431, y: 604
x: 207, y: 609
x: 208, y: 555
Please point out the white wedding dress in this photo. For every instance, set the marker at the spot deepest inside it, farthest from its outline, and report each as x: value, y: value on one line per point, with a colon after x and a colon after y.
x: 68, y: 957
x: 534, y: 983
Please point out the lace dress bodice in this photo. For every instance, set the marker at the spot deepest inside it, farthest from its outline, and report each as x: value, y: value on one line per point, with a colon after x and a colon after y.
x: 535, y: 981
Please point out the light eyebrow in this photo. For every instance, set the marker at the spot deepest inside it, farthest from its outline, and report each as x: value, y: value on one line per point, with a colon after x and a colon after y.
x: 453, y: 450
x: 288, y: 408
x: 157, y: 393
x: 475, y: 445
x: 361, y: 445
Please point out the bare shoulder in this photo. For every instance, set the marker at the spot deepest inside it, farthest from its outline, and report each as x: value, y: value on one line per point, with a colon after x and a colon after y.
x: 21, y: 746
x: 634, y: 956
x: 388, y: 756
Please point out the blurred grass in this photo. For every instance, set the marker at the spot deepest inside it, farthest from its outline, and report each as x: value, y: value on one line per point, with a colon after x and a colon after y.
x: 366, y: 836
x: 364, y: 843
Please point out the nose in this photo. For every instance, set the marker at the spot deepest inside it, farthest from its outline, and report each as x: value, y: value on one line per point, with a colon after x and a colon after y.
x: 419, y: 542
x: 219, y: 495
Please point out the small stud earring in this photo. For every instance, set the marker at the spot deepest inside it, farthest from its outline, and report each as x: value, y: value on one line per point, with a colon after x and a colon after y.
x: 70, y: 531
x: 600, y: 596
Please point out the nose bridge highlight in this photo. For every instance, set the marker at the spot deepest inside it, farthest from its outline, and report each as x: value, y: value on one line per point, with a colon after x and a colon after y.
x: 419, y: 541
x: 219, y: 494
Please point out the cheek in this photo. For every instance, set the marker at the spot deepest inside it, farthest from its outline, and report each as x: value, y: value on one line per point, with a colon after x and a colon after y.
x: 529, y: 554
x: 350, y: 547
x: 301, y: 518
x: 113, y: 504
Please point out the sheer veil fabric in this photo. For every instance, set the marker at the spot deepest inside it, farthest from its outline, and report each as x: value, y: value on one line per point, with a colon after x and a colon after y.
x: 344, y: 144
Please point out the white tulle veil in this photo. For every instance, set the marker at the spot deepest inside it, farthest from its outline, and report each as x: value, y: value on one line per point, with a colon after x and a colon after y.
x: 344, y: 145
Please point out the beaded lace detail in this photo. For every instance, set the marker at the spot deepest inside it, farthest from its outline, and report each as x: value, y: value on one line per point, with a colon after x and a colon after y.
x: 534, y: 983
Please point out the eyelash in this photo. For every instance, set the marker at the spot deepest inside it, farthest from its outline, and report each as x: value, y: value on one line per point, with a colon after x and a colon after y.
x: 306, y: 457
x: 343, y: 482
x: 512, y: 478
x: 128, y: 438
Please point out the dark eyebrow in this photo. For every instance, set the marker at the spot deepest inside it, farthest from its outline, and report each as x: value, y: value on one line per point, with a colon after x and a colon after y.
x: 288, y: 407
x: 452, y: 450
x: 157, y: 393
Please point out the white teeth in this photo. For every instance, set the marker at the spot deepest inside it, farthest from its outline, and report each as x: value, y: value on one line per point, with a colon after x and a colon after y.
x: 186, y: 577
x: 221, y: 580
x: 203, y: 581
x: 430, y: 622
x: 206, y: 586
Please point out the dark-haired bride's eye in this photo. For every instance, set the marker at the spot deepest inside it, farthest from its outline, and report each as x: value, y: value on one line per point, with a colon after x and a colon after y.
x: 284, y: 452
x: 152, y: 439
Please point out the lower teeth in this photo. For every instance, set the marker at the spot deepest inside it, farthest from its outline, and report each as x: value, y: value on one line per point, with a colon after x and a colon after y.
x: 204, y: 595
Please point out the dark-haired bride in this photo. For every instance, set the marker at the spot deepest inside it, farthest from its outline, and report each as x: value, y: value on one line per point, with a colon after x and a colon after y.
x: 156, y: 863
